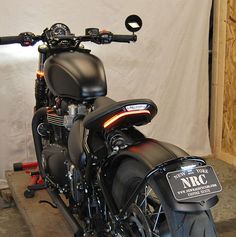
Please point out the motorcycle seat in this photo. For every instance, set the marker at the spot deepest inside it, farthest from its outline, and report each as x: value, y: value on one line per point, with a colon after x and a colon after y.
x: 103, y: 101
x: 108, y: 113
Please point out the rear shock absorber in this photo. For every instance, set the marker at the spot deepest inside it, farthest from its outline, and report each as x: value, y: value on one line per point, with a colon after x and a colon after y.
x: 116, y: 140
x: 40, y: 85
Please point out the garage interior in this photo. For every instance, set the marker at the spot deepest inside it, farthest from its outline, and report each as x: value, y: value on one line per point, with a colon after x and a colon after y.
x: 24, y: 218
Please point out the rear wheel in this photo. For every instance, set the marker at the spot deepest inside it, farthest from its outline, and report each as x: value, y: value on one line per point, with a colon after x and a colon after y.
x: 149, y: 215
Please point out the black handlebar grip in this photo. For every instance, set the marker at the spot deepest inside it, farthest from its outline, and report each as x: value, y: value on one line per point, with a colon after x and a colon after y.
x: 11, y: 40
x: 124, y: 38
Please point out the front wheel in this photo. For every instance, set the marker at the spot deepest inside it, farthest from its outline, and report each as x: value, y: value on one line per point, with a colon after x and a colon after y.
x: 149, y: 215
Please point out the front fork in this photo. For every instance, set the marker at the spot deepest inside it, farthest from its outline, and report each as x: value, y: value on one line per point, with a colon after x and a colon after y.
x: 40, y: 84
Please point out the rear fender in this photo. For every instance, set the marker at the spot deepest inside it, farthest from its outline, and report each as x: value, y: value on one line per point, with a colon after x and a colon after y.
x: 151, y: 153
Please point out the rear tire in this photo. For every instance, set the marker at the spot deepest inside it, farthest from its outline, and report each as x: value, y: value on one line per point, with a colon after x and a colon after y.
x: 169, y: 222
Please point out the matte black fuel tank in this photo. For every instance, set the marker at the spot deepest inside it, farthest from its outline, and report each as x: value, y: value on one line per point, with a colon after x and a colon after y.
x: 75, y: 75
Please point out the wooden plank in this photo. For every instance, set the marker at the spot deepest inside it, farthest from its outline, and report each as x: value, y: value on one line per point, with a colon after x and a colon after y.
x: 229, y: 112
x: 230, y: 159
x: 42, y: 219
x: 222, y: 125
x: 218, y: 67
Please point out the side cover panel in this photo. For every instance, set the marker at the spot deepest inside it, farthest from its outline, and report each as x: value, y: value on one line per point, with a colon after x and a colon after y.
x: 152, y: 153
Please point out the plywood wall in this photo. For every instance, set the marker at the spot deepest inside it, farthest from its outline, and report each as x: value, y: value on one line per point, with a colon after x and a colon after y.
x: 229, y: 111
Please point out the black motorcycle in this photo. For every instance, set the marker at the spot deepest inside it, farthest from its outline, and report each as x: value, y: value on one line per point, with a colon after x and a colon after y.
x: 115, y: 180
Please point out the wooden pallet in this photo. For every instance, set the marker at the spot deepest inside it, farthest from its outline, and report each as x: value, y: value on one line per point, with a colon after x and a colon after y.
x: 42, y: 219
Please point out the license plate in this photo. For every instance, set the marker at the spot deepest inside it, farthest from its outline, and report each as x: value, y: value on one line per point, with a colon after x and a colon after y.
x: 193, y: 183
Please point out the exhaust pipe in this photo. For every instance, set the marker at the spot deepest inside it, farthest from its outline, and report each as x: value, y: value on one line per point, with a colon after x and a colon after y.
x: 40, y: 116
x: 76, y: 227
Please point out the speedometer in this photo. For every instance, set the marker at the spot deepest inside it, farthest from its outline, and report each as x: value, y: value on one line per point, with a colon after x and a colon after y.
x: 60, y: 29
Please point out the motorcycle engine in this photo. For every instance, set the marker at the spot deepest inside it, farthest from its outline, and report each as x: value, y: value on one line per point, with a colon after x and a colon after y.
x: 65, y: 119
x: 54, y: 159
x: 55, y: 156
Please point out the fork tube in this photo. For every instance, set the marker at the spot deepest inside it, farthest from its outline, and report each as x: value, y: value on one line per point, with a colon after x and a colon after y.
x: 40, y: 85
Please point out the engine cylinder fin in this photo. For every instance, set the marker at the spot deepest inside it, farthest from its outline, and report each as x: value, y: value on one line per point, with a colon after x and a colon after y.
x: 55, y: 119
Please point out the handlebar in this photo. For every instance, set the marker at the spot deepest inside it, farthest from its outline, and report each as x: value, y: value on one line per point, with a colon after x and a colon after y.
x: 124, y: 38
x: 103, y: 37
x: 10, y: 40
x: 25, y: 39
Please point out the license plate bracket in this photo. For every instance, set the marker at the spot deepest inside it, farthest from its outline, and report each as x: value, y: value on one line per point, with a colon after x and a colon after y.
x: 193, y: 184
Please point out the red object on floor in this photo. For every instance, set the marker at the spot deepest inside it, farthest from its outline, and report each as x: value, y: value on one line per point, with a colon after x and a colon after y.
x: 24, y: 166
x: 33, y: 180
x: 36, y: 180
x: 36, y: 183
x: 40, y: 180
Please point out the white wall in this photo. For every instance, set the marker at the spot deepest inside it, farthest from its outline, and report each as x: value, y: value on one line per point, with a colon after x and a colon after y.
x: 167, y: 64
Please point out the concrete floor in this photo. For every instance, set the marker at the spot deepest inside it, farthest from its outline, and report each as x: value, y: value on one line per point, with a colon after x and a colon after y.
x: 224, y: 212
x: 12, y: 224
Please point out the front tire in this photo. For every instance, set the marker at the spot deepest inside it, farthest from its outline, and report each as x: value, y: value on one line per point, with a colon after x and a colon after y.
x: 161, y: 219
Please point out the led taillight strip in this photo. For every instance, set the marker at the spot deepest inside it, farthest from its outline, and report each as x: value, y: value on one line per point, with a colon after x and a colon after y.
x: 123, y: 114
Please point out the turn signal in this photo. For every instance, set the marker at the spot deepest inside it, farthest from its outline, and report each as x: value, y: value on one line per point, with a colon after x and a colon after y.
x: 40, y: 74
x: 124, y: 114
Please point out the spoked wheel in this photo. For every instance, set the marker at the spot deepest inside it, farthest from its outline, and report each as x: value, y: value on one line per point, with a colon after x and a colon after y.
x: 145, y: 216
x: 138, y: 223
x: 149, y: 215
x: 148, y: 210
